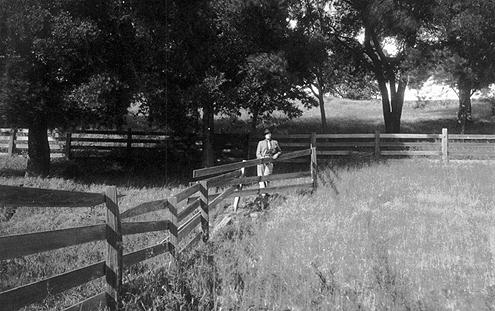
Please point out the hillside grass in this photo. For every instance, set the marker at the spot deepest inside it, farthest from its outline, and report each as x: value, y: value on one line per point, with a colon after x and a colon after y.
x: 365, y: 116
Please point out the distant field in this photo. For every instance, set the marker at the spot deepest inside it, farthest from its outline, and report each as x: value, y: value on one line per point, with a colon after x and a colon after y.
x: 348, y: 116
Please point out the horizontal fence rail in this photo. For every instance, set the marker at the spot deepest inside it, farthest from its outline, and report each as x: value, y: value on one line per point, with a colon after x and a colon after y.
x: 444, y: 146
x: 124, y: 144
x: 234, y: 147
x: 186, y: 223
x: 15, y: 141
x: 32, y: 243
x: 34, y: 197
x: 250, y: 163
x: 234, y: 179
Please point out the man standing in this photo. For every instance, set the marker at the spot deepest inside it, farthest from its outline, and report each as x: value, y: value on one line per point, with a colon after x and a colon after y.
x: 267, y: 148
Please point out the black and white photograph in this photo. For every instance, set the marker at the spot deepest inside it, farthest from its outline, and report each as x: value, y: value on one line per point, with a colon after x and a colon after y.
x: 247, y: 155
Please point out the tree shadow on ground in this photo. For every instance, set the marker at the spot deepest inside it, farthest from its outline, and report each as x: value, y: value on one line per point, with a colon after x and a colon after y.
x: 138, y: 173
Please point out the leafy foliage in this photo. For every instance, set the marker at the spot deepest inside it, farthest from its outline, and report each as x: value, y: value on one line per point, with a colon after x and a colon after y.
x: 400, y: 24
x: 56, y: 50
x: 267, y: 86
x: 465, y: 41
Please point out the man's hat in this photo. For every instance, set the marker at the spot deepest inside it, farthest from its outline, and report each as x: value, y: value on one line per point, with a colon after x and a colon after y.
x: 267, y: 131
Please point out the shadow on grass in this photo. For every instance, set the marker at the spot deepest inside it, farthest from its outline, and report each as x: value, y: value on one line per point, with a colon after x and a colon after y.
x: 423, y: 122
x: 139, y: 172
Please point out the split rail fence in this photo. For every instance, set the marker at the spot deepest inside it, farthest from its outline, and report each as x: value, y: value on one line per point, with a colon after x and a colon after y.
x: 15, y: 141
x: 234, y: 179
x: 187, y: 222
x: 234, y: 147
x: 122, y: 144
x: 181, y: 225
x: 444, y: 146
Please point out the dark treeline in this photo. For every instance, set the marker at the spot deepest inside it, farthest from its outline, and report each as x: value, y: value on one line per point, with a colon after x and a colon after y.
x: 72, y: 62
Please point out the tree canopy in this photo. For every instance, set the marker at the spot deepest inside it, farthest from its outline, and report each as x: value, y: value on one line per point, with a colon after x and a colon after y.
x: 56, y: 57
x: 64, y: 63
x: 464, y: 49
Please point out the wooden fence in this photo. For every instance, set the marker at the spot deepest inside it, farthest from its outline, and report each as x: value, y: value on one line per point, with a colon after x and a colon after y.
x: 15, y: 141
x: 443, y: 146
x: 187, y: 222
x: 233, y: 176
x: 180, y: 224
x: 124, y: 144
x: 234, y: 147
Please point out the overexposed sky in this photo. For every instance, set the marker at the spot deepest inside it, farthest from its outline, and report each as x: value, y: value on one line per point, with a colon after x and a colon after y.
x: 431, y: 90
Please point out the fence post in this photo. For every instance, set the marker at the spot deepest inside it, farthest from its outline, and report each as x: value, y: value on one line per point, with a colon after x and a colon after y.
x: 11, y: 148
x: 113, y: 269
x: 172, y: 236
x: 313, y: 140
x: 205, y: 221
x: 237, y: 200
x: 314, y: 168
x: 129, y: 144
x: 445, y: 144
x: 377, y: 144
x: 68, y: 142
x: 205, y: 229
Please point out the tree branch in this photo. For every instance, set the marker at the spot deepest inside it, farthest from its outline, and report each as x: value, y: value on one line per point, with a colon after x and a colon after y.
x: 313, y: 91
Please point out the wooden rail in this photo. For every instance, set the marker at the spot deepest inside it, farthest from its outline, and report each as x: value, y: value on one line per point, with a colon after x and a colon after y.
x: 235, y: 180
x: 443, y: 146
x: 13, y: 141
x: 34, y: 197
x: 229, y: 147
x: 112, y: 232
x: 122, y: 144
x: 186, y: 223
x: 250, y: 163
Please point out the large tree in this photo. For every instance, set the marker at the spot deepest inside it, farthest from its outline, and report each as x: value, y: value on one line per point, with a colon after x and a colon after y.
x: 261, y: 74
x: 367, y: 29
x: 327, y: 65
x: 268, y: 86
x: 465, y: 54
x: 50, y: 50
x: 400, y: 24
x: 222, y: 56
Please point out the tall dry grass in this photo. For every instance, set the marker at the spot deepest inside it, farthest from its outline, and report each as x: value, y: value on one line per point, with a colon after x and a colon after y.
x: 412, y: 235
x: 23, y: 270
x: 397, y: 235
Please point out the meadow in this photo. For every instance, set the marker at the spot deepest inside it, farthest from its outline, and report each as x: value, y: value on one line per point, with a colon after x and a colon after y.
x: 415, y: 235
x: 410, y: 234
x: 365, y: 116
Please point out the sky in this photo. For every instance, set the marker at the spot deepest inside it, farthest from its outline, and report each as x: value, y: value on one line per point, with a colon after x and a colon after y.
x: 431, y: 90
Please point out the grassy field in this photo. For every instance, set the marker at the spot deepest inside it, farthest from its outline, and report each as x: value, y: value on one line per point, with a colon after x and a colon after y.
x: 20, y: 271
x: 348, y: 116
x: 396, y: 235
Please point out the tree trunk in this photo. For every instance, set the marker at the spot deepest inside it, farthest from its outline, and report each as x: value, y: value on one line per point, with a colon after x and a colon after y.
x: 464, y: 114
x: 38, y: 148
x: 208, y: 136
x: 392, y: 104
x: 254, y: 123
x: 386, y: 73
x: 385, y: 105
x: 321, y: 102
